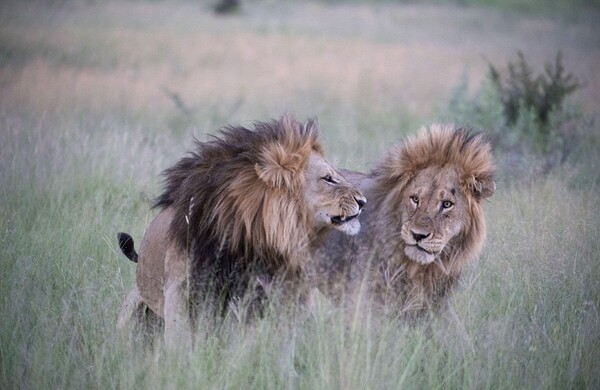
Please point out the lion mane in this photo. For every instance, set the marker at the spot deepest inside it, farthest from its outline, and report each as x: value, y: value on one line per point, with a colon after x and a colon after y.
x: 447, y: 160
x: 228, y: 219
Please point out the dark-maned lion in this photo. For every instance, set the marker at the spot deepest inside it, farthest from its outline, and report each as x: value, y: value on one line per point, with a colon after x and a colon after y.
x: 423, y: 223
x: 249, y: 203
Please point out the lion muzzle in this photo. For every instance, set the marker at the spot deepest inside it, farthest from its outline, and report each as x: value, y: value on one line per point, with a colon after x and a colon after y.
x: 421, y: 246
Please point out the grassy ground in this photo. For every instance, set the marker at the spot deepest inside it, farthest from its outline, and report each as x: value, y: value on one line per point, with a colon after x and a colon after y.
x: 96, y: 99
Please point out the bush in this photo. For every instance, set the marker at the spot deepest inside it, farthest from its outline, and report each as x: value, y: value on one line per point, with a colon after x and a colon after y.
x: 521, y: 92
x: 527, y: 116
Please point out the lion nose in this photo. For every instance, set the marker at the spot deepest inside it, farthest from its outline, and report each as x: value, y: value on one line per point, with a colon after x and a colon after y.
x: 361, y: 202
x: 419, y: 236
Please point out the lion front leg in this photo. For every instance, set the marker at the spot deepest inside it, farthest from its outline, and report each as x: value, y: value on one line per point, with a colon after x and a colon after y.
x: 131, y: 311
x: 138, y: 321
x: 178, y: 328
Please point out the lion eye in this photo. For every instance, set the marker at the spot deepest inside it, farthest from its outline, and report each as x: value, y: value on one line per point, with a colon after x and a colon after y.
x: 329, y: 179
x: 447, y: 204
x: 414, y: 199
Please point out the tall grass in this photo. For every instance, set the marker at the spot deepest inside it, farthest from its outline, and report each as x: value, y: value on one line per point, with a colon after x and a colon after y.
x: 86, y: 127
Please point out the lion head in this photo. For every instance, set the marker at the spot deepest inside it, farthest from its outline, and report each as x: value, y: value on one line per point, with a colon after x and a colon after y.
x: 433, y: 214
x: 428, y: 195
x: 262, y: 195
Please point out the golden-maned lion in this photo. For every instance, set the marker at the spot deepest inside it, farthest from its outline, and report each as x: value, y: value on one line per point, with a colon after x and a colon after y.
x: 423, y: 223
x: 249, y: 204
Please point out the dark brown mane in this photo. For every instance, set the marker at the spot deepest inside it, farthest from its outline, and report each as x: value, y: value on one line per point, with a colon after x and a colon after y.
x: 232, y: 195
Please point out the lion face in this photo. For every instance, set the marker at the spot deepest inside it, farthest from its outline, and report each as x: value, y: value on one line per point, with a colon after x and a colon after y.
x: 332, y: 201
x: 434, y: 212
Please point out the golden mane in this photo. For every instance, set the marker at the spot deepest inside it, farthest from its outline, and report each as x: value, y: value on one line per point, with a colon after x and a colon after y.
x: 441, y: 145
x: 235, y: 197
x: 437, y: 146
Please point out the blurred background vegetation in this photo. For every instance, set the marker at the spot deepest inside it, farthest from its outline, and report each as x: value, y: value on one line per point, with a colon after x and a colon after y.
x: 98, y: 97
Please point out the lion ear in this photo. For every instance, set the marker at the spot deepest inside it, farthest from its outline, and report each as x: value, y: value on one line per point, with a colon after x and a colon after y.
x: 279, y: 169
x: 488, y: 188
x: 481, y: 188
x: 274, y: 177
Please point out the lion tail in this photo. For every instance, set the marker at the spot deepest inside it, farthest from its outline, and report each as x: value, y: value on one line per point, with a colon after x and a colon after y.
x: 127, y: 246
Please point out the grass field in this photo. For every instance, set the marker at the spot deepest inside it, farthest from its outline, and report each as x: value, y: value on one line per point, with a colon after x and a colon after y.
x: 97, y: 98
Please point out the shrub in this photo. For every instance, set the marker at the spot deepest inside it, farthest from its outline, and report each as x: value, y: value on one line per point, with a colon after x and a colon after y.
x: 527, y: 115
x: 523, y: 93
x: 227, y: 6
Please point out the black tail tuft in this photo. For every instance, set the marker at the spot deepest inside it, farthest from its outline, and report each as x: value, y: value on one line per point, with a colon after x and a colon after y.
x: 127, y: 246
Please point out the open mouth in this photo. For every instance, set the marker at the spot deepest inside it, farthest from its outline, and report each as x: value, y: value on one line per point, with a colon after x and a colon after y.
x: 339, y: 220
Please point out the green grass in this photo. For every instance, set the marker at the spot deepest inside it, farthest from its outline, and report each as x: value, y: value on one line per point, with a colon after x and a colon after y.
x: 552, y: 7
x: 86, y: 127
